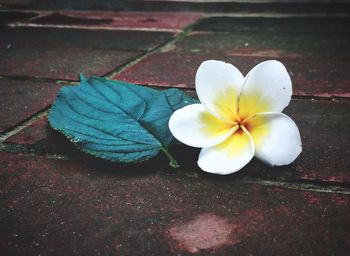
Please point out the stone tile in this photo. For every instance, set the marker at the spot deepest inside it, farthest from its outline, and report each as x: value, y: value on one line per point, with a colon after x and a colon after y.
x: 61, y: 207
x: 15, y: 16
x: 82, y: 38
x: 61, y: 63
x: 16, y: 2
x: 310, y: 76
x: 164, y: 69
x: 119, y: 20
x: 159, y: 5
x: 22, y: 99
x: 64, y: 53
x: 327, y: 25
x: 277, y: 45
x: 317, y: 69
x: 325, y: 157
x: 319, y: 77
x: 62, y: 4
x: 32, y: 134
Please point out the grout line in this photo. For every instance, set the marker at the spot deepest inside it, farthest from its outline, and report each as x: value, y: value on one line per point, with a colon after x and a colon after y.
x: 28, y: 151
x: 125, y: 66
x: 39, y: 79
x: 159, y: 86
x: 295, y: 97
x: 142, y: 56
x: 56, y: 156
x: 300, y: 186
x: 23, y: 124
x: 60, y: 26
x: 40, y: 14
x: 321, y: 98
x: 160, y: 48
x: 276, y: 15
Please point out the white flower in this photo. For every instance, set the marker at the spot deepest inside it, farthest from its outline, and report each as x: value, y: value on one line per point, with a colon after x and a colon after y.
x: 239, y: 117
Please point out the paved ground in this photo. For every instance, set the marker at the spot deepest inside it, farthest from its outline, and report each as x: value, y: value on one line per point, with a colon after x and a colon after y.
x: 56, y: 201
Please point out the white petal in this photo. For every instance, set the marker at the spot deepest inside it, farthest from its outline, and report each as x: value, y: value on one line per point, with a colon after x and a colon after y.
x: 276, y: 137
x: 229, y: 156
x: 267, y: 88
x: 218, y: 85
x: 195, y: 126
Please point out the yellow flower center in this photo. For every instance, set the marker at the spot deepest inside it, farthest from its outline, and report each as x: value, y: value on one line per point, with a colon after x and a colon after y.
x: 239, y: 115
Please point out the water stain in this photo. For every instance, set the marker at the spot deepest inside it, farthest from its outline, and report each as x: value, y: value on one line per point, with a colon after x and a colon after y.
x: 205, y: 231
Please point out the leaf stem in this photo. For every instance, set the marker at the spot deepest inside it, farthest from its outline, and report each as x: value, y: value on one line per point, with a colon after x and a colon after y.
x: 172, y: 160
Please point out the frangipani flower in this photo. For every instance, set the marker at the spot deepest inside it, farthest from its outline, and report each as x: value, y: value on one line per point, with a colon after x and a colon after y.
x: 239, y: 117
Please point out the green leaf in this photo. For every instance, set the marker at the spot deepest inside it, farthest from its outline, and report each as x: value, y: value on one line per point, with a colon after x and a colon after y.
x: 115, y: 120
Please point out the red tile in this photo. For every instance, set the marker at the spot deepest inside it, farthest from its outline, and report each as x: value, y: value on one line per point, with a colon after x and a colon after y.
x: 164, y: 69
x: 61, y: 63
x: 306, y: 24
x: 250, y: 7
x: 316, y: 69
x: 82, y: 38
x: 320, y: 77
x: 324, y: 127
x: 117, y: 20
x: 22, y: 99
x: 317, y: 62
x: 310, y: 76
x: 48, y: 204
x: 15, y: 16
x: 325, y: 157
x: 269, y: 45
x: 32, y: 134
